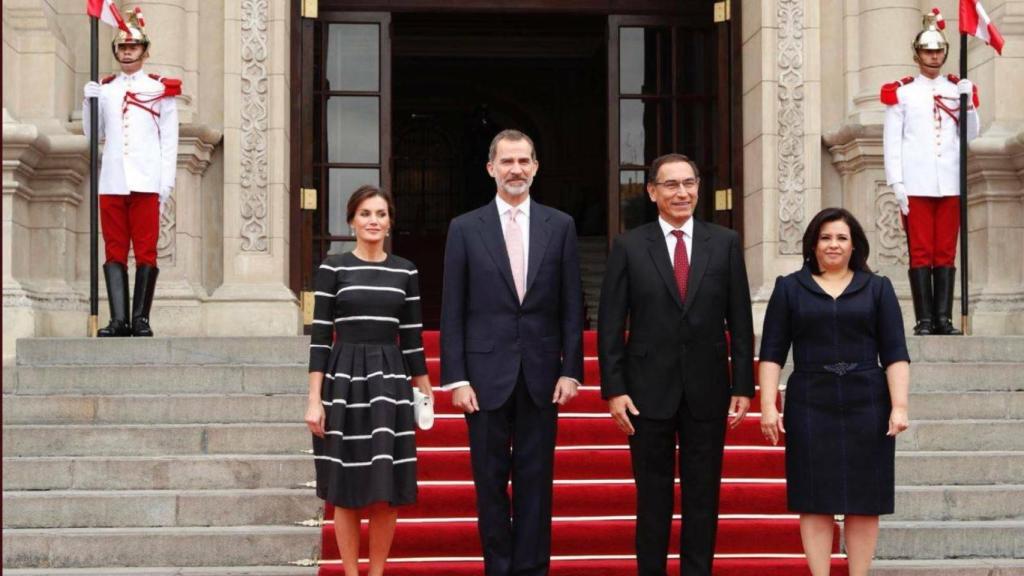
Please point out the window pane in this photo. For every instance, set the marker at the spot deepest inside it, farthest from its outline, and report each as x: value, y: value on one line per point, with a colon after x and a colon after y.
x: 353, y: 129
x: 640, y: 50
x: 639, y: 130
x: 695, y: 64
x: 633, y: 202
x: 695, y: 132
x: 353, y: 57
x: 342, y: 182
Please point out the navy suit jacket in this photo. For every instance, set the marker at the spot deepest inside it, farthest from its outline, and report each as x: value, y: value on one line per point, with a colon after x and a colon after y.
x: 487, y: 336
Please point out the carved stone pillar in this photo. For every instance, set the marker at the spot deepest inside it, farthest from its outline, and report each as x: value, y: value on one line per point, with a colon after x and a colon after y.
x: 255, y: 298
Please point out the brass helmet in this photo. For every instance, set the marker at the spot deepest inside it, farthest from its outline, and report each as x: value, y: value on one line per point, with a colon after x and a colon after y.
x: 132, y: 31
x: 931, y: 36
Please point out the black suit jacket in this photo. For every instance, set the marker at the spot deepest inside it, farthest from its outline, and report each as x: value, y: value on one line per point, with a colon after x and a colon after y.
x: 486, y: 334
x: 675, y: 347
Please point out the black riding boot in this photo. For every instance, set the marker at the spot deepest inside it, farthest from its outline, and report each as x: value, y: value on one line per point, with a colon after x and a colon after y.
x: 921, y: 292
x: 944, y: 281
x: 116, y: 276
x: 145, y: 287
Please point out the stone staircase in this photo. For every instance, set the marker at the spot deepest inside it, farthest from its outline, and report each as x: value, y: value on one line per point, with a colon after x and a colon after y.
x: 135, y: 455
x: 183, y: 456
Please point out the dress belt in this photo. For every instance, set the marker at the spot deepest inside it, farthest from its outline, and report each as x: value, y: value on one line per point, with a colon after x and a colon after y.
x: 837, y: 368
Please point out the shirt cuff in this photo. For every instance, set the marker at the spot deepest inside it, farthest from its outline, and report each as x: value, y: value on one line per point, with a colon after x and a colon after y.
x: 453, y: 385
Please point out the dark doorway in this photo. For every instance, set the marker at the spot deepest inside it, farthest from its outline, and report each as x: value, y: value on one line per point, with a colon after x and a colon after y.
x: 459, y: 80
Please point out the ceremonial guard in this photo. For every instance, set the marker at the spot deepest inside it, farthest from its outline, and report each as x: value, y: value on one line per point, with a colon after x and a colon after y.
x: 922, y: 155
x: 138, y: 116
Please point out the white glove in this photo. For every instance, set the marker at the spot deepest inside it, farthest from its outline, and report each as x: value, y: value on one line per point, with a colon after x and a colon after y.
x: 92, y: 90
x: 965, y: 86
x: 901, y: 197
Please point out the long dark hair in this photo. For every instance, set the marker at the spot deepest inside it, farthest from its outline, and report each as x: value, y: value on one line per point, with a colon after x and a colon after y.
x: 364, y: 192
x: 861, y: 248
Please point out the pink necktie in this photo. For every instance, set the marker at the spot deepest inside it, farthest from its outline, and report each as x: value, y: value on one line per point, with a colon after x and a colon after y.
x: 681, y: 264
x: 514, y: 244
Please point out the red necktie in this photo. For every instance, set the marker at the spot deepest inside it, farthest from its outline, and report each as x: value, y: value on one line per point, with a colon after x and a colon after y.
x: 681, y: 265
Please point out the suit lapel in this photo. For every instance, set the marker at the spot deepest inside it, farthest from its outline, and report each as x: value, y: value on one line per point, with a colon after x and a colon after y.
x: 540, y: 235
x: 698, y: 261
x: 659, y: 254
x: 490, y: 234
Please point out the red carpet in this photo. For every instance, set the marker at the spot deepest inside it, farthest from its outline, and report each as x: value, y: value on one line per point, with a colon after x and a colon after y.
x: 594, y: 499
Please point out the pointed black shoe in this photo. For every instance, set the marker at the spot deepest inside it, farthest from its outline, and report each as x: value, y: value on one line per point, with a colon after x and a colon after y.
x: 145, y: 287
x: 116, y: 276
x: 945, y: 278
x: 921, y: 292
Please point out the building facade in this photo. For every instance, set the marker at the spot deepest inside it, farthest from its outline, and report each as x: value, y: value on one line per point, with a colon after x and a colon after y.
x: 288, y: 105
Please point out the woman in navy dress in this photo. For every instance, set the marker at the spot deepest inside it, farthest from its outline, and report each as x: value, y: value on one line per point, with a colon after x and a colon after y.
x: 360, y: 399
x: 847, y: 398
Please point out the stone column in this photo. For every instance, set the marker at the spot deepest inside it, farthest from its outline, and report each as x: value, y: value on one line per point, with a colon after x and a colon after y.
x: 781, y: 134
x: 255, y: 298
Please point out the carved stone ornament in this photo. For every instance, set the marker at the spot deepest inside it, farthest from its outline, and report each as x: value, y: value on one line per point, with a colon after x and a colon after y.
x: 892, y: 242
x: 791, y: 125
x: 166, y: 244
x: 254, y: 177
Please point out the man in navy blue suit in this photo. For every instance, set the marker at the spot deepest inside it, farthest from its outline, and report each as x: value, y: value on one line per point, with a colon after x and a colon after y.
x: 512, y: 351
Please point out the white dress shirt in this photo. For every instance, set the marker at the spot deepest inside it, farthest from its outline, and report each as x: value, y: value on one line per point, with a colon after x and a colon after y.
x: 670, y: 239
x: 141, y: 149
x: 523, y: 219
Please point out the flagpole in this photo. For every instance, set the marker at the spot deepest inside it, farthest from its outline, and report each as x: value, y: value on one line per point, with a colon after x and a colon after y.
x: 94, y: 164
x: 965, y: 321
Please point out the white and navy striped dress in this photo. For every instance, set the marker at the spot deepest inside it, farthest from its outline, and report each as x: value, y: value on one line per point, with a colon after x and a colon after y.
x: 373, y: 311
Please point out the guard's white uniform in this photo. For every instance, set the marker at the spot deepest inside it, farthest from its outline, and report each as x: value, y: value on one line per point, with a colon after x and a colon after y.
x: 141, y: 150
x: 922, y: 141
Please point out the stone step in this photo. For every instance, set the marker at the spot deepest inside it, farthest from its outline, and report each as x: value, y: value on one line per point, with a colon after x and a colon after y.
x: 959, y: 502
x: 963, y: 435
x: 153, y: 409
x: 948, y: 567
x: 98, y: 547
x: 958, y: 468
x: 967, y: 405
x: 165, y: 571
x: 154, y: 440
x: 159, y: 379
x: 195, y: 472
x: 156, y: 508
x: 966, y: 348
x: 936, y: 540
x: 183, y: 350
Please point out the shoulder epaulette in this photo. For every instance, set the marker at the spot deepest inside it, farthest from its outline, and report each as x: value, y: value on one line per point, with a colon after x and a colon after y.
x: 974, y: 96
x: 888, y: 95
x: 172, y: 86
x: 108, y: 79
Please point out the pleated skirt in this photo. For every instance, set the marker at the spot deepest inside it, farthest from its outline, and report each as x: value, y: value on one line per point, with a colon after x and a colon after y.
x: 368, y: 454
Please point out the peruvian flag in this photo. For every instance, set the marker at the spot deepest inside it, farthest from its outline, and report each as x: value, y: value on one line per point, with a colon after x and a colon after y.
x: 107, y: 12
x: 974, y: 21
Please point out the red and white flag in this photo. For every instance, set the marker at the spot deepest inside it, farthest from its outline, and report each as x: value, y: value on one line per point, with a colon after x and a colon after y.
x: 107, y: 12
x: 974, y: 21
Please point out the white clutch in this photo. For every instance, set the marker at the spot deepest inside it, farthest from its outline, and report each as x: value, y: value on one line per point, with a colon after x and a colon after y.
x: 422, y: 409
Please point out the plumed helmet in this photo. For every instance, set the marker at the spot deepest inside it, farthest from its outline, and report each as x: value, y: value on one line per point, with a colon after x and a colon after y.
x: 132, y: 31
x: 931, y: 36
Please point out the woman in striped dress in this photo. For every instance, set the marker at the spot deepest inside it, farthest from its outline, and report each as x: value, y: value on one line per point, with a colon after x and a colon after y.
x: 360, y: 398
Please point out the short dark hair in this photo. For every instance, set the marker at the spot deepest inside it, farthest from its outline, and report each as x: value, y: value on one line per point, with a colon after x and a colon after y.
x: 365, y: 192
x: 512, y: 136
x: 652, y: 172
x: 861, y: 248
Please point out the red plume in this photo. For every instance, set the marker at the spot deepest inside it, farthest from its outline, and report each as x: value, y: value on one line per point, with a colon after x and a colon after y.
x: 939, y: 20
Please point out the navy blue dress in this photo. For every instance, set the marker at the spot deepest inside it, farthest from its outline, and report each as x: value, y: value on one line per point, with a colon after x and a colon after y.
x: 838, y: 457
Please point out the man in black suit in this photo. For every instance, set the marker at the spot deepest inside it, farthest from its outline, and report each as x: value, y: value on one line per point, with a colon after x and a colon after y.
x: 512, y: 351
x: 682, y: 285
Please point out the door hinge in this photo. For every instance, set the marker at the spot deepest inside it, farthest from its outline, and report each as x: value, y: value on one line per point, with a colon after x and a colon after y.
x: 308, y: 303
x: 307, y: 198
x: 310, y: 8
x: 723, y: 11
x: 723, y: 199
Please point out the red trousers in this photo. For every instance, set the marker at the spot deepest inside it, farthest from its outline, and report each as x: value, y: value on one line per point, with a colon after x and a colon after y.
x: 933, y: 227
x: 133, y: 219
